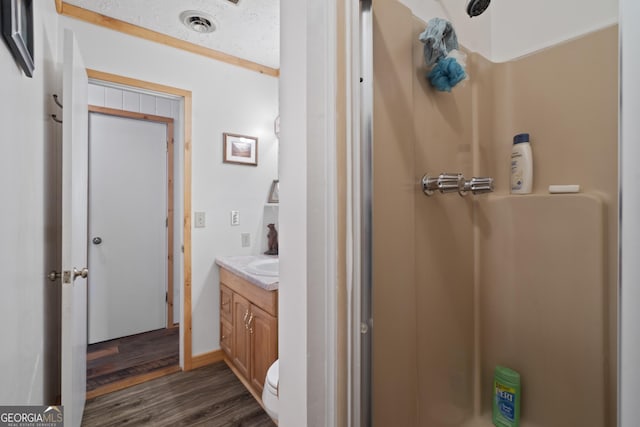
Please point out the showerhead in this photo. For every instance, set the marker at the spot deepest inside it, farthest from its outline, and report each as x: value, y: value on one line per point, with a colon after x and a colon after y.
x: 476, y: 7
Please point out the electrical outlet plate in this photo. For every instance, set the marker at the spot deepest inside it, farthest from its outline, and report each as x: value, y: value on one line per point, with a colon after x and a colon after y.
x: 235, y: 217
x: 246, y: 240
x: 199, y: 220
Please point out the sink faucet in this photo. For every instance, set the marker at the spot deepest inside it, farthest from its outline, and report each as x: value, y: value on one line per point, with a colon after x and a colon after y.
x: 272, y: 237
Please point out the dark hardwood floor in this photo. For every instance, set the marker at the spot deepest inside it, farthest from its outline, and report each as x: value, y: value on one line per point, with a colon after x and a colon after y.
x: 209, y: 396
x: 122, y: 359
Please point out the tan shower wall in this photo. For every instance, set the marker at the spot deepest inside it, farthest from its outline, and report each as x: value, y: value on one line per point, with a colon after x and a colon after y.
x: 462, y: 284
x: 566, y: 97
x: 394, y: 276
x: 542, y: 306
x: 444, y: 251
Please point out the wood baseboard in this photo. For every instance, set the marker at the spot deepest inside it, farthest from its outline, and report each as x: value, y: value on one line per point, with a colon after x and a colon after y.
x: 205, y: 359
x: 128, y: 382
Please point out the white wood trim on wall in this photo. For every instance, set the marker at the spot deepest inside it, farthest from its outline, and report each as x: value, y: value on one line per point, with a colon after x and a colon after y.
x: 629, y: 233
x: 308, y: 203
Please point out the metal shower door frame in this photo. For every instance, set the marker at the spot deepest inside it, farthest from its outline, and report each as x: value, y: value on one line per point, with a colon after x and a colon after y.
x: 362, y: 221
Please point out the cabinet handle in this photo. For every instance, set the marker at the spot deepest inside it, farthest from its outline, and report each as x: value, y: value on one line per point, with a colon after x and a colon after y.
x: 244, y: 319
x: 248, y: 324
x: 225, y: 303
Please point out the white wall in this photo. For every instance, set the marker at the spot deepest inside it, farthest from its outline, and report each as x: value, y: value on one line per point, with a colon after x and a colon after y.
x: 225, y: 99
x: 520, y: 27
x: 474, y: 34
x: 511, y: 28
x: 30, y: 210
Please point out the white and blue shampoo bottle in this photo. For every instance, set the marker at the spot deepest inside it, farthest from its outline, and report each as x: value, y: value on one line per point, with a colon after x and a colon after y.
x: 521, y: 165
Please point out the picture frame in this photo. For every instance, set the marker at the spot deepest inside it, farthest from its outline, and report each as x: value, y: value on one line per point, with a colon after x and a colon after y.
x: 17, y: 31
x: 240, y: 149
x: 274, y: 192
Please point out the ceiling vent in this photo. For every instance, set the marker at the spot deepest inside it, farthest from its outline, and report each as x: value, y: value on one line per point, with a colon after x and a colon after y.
x: 199, y: 22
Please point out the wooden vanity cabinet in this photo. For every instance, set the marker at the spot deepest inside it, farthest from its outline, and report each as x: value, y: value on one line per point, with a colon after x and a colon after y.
x: 264, y: 351
x: 248, y: 328
x: 241, y: 339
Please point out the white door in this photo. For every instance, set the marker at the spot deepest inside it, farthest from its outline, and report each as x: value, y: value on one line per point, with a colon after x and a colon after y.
x: 127, y: 226
x: 74, y: 232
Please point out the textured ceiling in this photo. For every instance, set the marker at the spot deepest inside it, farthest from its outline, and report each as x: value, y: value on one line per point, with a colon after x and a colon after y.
x: 248, y: 30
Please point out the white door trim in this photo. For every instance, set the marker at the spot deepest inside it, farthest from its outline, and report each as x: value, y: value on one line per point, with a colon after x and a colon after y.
x: 308, y: 301
x: 629, y: 228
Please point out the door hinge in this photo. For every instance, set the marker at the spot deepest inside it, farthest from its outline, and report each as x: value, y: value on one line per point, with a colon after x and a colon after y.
x: 166, y: 222
x: 182, y: 248
x: 166, y: 297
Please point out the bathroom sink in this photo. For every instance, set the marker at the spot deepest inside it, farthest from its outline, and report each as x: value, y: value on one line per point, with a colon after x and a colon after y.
x: 264, y: 267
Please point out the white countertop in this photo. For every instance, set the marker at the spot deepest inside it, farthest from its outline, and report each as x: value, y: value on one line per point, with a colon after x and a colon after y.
x: 238, y: 264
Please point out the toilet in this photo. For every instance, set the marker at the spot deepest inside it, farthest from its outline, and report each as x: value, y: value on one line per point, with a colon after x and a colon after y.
x: 270, y: 391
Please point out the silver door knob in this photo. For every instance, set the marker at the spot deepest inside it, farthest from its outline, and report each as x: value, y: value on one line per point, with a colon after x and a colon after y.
x: 54, y: 275
x: 97, y: 240
x: 80, y: 273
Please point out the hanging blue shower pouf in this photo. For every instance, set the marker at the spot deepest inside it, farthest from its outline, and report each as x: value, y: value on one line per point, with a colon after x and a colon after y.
x: 441, y: 54
x: 446, y: 74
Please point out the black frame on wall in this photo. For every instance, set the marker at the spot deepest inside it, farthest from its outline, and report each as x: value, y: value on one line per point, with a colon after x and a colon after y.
x: 17, y: 30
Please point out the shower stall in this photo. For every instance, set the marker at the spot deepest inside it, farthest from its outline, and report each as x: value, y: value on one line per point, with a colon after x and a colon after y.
x: 453, y: 285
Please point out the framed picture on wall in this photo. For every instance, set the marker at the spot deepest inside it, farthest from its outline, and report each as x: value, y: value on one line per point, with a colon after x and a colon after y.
x: 240, y: 149
x: 17, y: 30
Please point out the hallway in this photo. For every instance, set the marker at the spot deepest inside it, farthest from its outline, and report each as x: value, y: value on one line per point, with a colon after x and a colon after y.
x: 117, y: 363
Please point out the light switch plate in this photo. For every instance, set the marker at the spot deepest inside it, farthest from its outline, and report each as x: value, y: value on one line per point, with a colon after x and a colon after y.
x: 235, y: 217
x: 199, y: 220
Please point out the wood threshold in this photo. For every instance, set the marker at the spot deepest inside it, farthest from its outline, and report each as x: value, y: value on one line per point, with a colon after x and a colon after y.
x: 245, y: 382
x: 206, y: 359
x: 102, y: 353
x: 128, y: 382
x: 98, y: 19
x: 186, y: 224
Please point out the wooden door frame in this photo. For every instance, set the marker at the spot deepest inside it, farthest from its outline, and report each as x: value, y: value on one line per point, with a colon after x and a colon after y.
x: 168, y: 121
x: 186, y: 325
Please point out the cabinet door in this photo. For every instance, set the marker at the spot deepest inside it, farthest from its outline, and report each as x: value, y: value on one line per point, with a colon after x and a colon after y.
x: 241, y: 345
x: 263, y: 332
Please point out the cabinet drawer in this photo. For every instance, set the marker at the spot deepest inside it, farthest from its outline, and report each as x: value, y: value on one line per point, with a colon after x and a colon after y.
x: 266, y: 300
x: 225, y: 304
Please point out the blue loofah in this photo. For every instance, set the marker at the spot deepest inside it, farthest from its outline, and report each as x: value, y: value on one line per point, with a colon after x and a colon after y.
x: 446, y: 74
